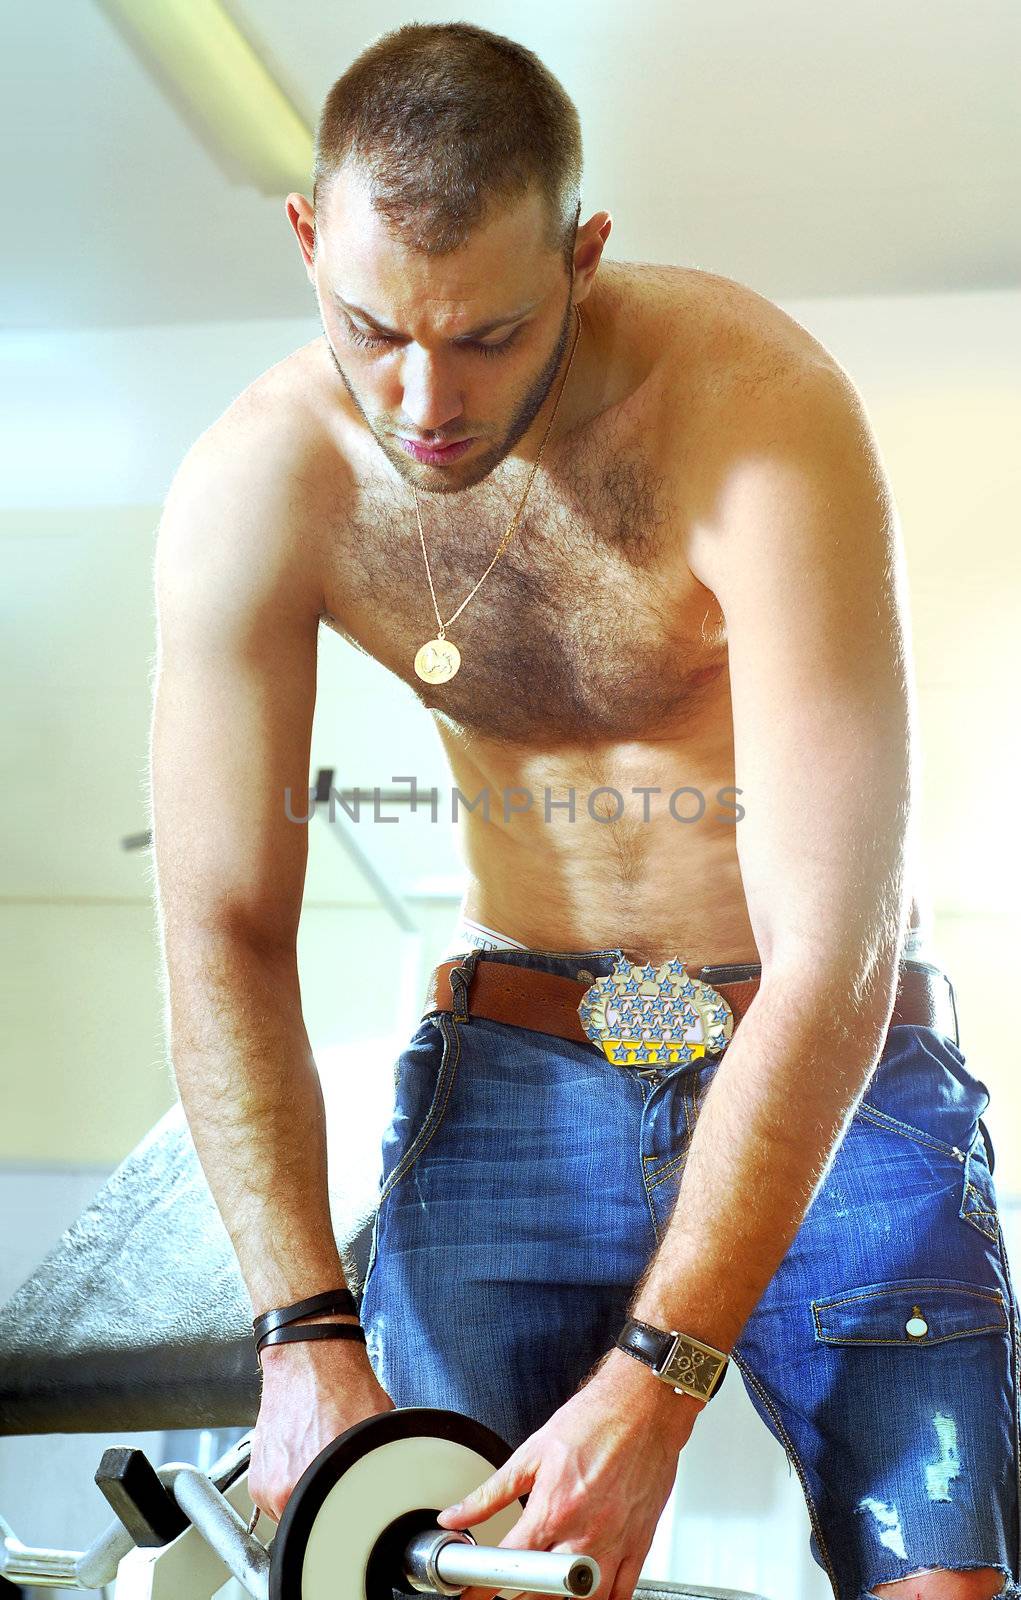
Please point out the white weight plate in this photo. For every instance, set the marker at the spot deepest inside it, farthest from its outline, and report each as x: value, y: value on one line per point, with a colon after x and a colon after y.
x: 391, y: 1464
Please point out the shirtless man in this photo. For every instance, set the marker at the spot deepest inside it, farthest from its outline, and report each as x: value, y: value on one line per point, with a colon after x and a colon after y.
x: 705, y: 592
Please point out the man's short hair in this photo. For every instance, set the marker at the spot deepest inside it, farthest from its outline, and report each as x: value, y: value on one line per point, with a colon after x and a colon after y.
x: 448, y: 120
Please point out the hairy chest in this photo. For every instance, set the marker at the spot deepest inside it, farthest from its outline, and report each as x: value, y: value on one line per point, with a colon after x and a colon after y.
x: 588, y: 627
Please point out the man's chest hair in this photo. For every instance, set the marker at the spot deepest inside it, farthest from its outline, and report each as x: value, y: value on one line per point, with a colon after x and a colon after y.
x: 588, y: 626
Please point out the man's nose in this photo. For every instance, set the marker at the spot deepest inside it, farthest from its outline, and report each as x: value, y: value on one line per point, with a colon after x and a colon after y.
x: 431, y: 398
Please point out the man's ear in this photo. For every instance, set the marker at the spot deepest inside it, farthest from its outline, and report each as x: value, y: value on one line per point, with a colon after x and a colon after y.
x: 301, y: 216
x: 589, y: 247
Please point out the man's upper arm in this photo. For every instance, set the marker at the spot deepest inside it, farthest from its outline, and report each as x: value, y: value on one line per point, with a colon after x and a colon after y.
x: 237, y: 612
x: 799, y: 542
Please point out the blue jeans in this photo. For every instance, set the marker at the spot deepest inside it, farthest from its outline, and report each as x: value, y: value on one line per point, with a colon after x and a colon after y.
x: 527, y: 1182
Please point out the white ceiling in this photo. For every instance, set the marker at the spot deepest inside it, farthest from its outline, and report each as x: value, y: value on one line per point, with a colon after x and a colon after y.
x: 806, y: 149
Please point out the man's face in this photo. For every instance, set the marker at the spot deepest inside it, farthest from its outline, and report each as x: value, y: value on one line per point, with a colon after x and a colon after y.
x: 442, y: 348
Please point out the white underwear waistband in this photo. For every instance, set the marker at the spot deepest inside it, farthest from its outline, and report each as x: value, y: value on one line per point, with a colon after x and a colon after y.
x: 471, y: 935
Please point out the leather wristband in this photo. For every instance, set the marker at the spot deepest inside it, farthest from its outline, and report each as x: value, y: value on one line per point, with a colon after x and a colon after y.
x: 341, y: 1300
x: 311, y: 1331
x: 688, y: 1365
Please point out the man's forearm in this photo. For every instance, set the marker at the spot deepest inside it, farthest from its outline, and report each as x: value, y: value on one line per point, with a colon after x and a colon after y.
x: 773, y: 1118
x: 251, y: 1093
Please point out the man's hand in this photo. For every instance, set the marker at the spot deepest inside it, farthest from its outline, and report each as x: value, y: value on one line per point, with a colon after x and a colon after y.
x: 311, y: 1394
x: 597, y: 1475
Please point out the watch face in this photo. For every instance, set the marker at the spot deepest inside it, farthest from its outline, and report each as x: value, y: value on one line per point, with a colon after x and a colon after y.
x: 692, y: 1367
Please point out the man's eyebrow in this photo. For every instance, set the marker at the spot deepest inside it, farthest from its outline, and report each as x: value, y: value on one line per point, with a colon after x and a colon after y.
x: 472, y: 333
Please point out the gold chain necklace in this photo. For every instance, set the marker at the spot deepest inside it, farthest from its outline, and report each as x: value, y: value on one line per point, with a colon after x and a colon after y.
x: 439, y: 658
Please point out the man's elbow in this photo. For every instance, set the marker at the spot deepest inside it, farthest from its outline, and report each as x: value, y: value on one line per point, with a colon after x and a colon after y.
x: 853, y: 997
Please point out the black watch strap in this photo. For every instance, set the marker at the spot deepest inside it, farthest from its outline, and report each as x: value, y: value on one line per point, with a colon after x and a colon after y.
x: 687, y: 1364
x: 641, y: 1339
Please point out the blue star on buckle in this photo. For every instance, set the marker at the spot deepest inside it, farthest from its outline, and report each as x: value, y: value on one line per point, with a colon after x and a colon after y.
x: 642, y: 1015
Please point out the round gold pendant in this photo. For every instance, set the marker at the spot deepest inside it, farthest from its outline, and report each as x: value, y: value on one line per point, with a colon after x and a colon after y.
x: 437, y: 661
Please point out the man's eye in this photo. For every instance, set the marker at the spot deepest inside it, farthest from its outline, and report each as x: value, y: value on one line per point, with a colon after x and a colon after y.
x: 363, y: 339
x: 378, y: 343
x: 495, y: 349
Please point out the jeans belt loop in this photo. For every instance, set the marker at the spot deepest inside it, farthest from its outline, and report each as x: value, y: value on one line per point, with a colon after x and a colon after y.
x: 460, y: 985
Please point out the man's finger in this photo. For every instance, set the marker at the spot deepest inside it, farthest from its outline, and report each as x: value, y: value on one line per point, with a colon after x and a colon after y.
x: 512, y: 1479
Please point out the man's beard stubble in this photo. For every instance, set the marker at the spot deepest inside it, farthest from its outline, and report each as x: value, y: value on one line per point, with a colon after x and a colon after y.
x: 525, y: 414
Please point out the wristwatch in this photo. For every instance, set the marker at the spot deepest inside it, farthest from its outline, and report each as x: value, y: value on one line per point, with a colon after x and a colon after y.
x: 688, y: 1365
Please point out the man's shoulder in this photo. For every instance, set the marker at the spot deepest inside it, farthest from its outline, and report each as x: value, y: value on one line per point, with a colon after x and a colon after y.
x: 735, y: 371
x: 744, y: 396
x: 256, y: 482
x: 717, y: 333
x: 276, y: 420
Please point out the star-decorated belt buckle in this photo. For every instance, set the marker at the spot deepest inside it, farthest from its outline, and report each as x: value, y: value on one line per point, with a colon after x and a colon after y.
x: 644, y: 1016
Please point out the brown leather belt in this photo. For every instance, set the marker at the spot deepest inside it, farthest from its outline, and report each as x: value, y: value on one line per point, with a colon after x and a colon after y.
x: 526, y: 997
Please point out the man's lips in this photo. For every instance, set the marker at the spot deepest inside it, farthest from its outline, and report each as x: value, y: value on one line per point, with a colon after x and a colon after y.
x: 435, y: 444
x: 434, y: 454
